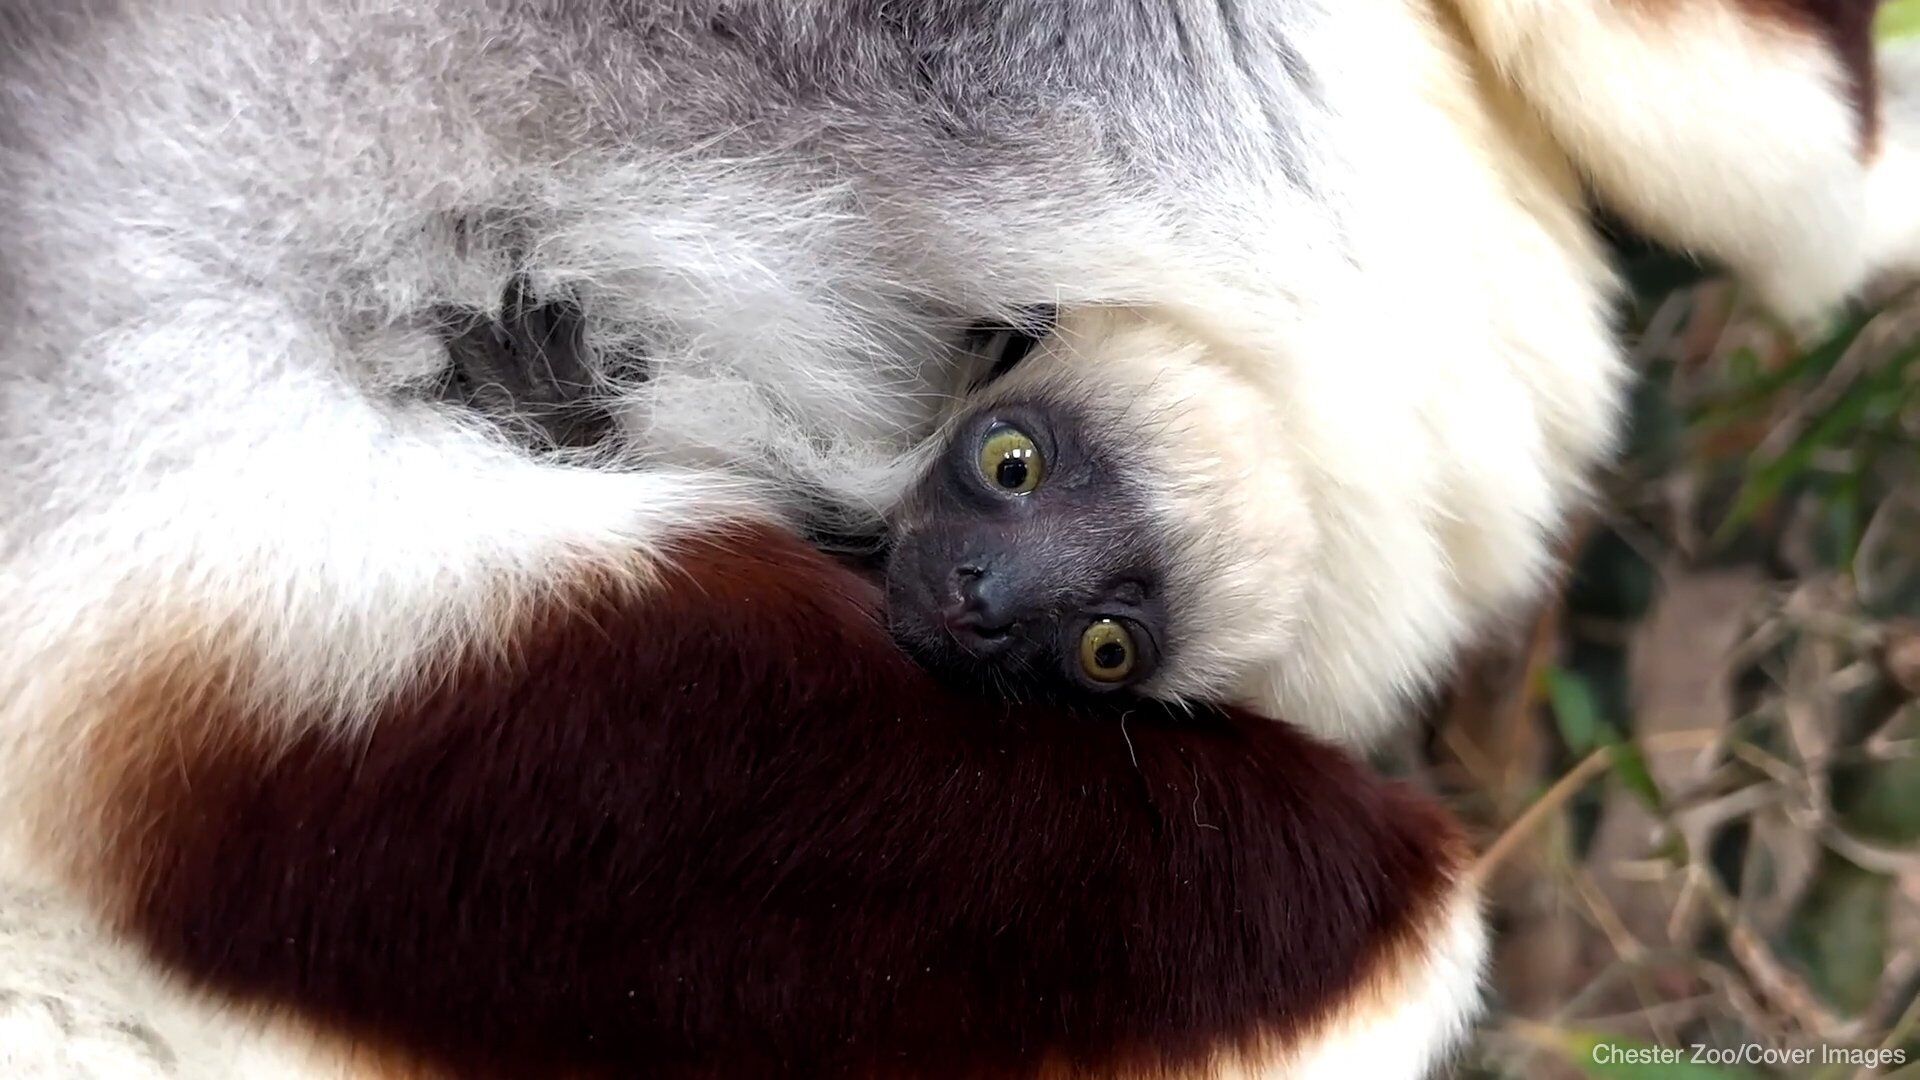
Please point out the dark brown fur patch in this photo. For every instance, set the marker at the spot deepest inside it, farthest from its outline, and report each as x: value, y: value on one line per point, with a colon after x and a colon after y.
x: 723, y: 828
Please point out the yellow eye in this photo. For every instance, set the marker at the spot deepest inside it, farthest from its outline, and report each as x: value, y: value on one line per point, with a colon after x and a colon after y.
x: 1106, y: 651
x: 1010, y: 460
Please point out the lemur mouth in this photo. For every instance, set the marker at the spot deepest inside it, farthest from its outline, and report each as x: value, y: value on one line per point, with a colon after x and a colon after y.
x: 967, y: 631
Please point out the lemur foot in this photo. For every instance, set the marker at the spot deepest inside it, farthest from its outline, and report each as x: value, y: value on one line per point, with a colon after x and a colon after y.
x: 528, y: 371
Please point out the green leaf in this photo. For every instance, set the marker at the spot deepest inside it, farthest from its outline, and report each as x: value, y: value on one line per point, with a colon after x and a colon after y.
x: 1577, y: 712
x: 1807, y: 367
x: 1610, y: 1057
x: 1838, y: 936
x: 1880, y: 800
x: 1898, y: 19
x: 1630, y: 768
x: 1870, y: 403
x: 1575, y: 708
x: 1767, y: 479
x: 1844, y: 514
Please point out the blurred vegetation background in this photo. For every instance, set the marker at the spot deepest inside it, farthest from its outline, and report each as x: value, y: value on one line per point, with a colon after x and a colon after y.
x: 1696, y: 774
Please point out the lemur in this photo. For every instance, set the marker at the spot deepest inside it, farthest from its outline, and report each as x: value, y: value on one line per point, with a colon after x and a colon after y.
x: 341, y: 731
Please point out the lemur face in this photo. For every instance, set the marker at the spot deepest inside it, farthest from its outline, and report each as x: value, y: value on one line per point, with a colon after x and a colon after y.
x: 1114, y: 514
x: 1028, y: 560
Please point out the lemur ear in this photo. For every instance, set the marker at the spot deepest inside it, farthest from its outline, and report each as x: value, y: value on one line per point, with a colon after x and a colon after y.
x: 1758, y: 133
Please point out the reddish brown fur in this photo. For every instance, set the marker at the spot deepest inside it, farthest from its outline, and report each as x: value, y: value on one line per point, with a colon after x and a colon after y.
x: 725, y: 829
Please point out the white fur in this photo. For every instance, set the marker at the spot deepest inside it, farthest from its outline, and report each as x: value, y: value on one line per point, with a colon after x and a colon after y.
x: 343, y: 547
x: 1711, y: 128
x: 1361, y: 492
x: 1365, y: 449
x: 1419, y: 1019
x: 76, y: 1005
x: 1893, y: 213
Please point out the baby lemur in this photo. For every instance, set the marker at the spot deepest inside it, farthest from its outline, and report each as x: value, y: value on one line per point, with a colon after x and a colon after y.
x: 1027, y: 559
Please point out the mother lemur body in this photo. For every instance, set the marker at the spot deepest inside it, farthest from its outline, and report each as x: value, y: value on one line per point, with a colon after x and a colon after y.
x: 378, y: 729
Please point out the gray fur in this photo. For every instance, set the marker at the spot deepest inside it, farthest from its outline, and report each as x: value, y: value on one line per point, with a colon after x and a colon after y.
x: 794, y: 205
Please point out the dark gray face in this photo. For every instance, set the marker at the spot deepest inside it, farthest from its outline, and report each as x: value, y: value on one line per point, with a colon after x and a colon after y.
x: 1024, y: 562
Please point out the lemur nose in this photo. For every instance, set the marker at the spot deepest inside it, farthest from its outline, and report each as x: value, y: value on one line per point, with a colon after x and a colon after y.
x: 981, y: 606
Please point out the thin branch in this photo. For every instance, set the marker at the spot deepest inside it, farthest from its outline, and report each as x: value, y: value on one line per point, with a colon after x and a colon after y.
x: 1556, y: 796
